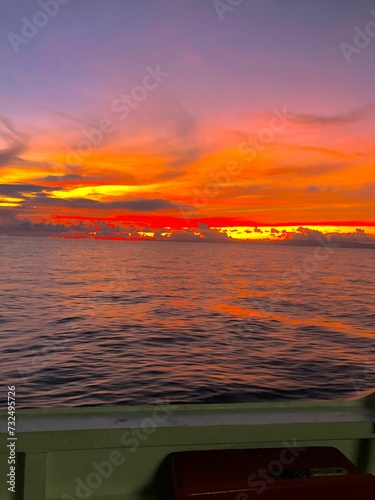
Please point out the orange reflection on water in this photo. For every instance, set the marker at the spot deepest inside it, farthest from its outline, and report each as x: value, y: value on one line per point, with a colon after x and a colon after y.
x: 238, y: 311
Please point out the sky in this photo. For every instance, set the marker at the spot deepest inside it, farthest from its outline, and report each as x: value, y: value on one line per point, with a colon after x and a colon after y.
x: 187, y: 119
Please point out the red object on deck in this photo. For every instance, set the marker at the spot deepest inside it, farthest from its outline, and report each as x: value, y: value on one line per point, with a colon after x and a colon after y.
x: 316, y: 473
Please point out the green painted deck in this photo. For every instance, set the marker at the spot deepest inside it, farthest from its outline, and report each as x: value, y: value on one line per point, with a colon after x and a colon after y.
x: 113, y: 453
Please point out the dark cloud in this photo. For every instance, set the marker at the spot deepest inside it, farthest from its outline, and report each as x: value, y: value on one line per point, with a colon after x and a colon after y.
x: 8, y: 217
x: 11, y: 224
x: 212, y: 234
x: 17, y: 190
x: 313, y: 237
x: 140, y: 205
x: 74, y: 174
x: 27, y: 226
x: 9, y: 156
x: 35, y: 195
x: 43, y: 199
x: 203, y: 234
x: 71, y: 173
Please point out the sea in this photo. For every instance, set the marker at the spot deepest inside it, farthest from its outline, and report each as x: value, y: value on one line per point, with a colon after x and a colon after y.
x: 97, y: 322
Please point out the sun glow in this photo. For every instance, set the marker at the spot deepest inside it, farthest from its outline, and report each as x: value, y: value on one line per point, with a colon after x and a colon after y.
x: 101, y: 192
x: 282, y: 232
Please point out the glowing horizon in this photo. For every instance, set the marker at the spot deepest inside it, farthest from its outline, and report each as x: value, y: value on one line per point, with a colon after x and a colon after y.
x: 169, y: 113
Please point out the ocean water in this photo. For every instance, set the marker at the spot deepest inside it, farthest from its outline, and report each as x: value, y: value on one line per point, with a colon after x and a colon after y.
x: 85, y: 322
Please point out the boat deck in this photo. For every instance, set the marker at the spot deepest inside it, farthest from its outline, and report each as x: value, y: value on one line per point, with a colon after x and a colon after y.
x: 113, y: 453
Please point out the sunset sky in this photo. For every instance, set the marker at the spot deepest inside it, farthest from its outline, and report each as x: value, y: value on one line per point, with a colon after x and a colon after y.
x: 183, y: 119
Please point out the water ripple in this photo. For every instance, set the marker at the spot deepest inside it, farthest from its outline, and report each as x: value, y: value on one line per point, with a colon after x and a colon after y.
x: 123, y: 323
